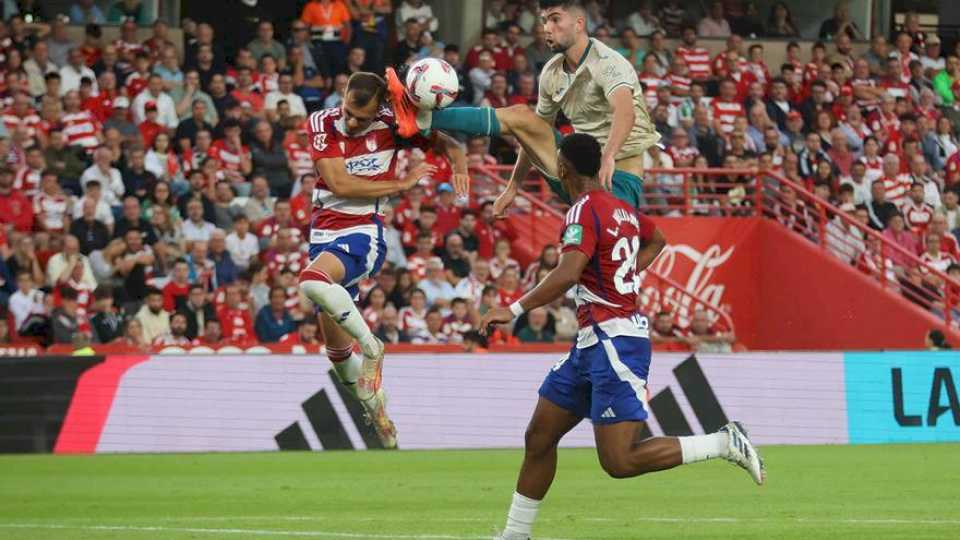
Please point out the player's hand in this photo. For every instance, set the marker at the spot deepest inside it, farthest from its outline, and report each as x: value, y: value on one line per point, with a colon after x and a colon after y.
x: 415, y: 174
x: 607, y: 166
x: 461, y: 184
x: 504, y: 201
x: 497, y: 315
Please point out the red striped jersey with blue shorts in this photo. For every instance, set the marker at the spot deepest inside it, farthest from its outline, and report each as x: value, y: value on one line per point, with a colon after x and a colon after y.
x: 604, y: 375
x: 352, y: 228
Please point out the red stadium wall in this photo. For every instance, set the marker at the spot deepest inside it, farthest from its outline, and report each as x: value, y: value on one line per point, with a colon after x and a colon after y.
x: 784, y: 292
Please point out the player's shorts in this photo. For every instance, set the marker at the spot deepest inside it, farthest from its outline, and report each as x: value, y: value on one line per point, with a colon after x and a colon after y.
x: 606, y: 382
x: 627, y: 187
x: 360, y: 249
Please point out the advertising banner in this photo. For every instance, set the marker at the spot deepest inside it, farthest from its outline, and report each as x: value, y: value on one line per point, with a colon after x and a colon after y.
x: 245, y: 403
x: 903, y: 397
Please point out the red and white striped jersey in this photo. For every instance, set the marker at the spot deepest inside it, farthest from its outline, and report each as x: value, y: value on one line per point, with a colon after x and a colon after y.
x: 683, y: 157
x: 760, y: 72
x: 917, y: 216
x: 720, y: 65
x: 236, y: 324
x: 127, y: 48
x: 299, y: 158
x: 411, y: 321
x: 897, y: 89
x: 680, y: 83
x: 866, y: 104
x: 897, y: 188
x: 51, y: 210
x: 228, y: 158
x: 296, y: 261
x: 135, y: 84
x: 698, y: 61
x: 874, y: 167
x: 29, y: 122
x: 727, y: 112
x: 651, y: 81
x: 81, y: 129
x: 27, y: 181
x: 940, y: 262
x: 370, y: 154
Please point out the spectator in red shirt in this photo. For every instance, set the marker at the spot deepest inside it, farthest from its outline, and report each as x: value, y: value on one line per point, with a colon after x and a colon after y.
x: 15, y: 209
x: 236, y: 322
x: 489, y: 229
x: 448, y: 214
x: 508, y: 286
x: 666, y: 335
x: 306, y: 334
x: 426, y: 224
x: 525, y: 92
x: 150, y: 128
x: 175, y: 292
x: 245, y: 92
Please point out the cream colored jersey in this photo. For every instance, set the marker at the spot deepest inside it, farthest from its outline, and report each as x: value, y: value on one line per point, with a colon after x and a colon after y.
x: 583, y: 97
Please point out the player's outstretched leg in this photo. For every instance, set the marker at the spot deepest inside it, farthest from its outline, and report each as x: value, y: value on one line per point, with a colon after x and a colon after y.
x: 624, y: 454
x: 548, y: 425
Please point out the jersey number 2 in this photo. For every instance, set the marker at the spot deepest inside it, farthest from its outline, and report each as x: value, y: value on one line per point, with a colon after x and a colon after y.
x: 626, y: 250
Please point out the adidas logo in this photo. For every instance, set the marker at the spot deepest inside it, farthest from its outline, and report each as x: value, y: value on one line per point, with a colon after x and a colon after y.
x: 608, y: 413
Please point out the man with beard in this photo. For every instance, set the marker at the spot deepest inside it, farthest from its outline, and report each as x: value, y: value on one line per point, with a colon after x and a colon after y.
x: 177, y: 336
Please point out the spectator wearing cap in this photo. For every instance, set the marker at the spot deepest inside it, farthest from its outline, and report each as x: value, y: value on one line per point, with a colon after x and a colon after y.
x: 149, y: 127
x: 73, y: 71
x: 119, y: 120
x: 448, y: 214
x: 166, y: 109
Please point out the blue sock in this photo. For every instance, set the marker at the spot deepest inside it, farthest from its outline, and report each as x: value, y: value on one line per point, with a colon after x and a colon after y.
x: 469, y: 120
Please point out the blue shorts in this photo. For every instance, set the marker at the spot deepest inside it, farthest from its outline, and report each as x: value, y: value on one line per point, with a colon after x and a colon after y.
x: 606, y: 382
x: 361, y: 250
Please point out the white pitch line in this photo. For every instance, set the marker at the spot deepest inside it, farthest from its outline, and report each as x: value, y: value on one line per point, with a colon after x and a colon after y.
x: 247, y: 532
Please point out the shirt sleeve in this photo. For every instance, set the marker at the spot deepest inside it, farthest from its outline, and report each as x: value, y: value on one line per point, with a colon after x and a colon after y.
x: 615, y: 72
x: 546, y: 106
x: 647, y: 227
x: 579, y: 230
x: 324, y: 141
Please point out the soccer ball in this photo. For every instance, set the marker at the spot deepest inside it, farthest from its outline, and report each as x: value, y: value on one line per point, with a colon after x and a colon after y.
x: 432, y: 83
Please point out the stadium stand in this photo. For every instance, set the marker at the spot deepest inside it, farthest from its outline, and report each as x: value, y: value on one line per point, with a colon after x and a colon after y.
x: 156, y: 194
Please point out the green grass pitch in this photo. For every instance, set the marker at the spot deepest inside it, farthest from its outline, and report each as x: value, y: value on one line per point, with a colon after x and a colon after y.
x: 842, y: 492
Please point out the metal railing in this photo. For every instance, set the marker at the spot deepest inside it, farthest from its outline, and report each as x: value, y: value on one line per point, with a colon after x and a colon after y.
x: 658, y: 292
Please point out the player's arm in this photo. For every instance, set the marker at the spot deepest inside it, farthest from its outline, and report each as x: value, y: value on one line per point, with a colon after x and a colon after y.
x: 455, y: 152
x: 554, y: 285
x: 651, y: 250
x: 333, y: 170
x: 624, y: 116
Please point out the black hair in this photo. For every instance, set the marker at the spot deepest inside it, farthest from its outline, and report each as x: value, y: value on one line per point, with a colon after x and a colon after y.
x: 564, y: 4
x: 68, y: 293
x: 938, y: 339
x: 152, y: 291
x: 583, y: 152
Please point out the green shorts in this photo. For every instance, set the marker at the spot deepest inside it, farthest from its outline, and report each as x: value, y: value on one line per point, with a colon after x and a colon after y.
x: 626, y: 187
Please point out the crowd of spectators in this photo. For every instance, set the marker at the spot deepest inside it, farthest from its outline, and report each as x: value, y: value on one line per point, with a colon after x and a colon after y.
x: 158, y: 194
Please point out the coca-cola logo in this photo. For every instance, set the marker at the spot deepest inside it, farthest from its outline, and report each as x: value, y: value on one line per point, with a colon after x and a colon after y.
x: 693, y: 270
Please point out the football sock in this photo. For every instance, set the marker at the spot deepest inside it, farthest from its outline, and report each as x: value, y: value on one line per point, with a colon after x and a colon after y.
x: 702, y: 447
x: 469, y: 120
x: 337, y: 303
x: 523, y: 512
x: 345, y: 363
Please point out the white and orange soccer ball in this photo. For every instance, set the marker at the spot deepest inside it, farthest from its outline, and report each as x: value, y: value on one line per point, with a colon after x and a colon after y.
x: 432, y: 83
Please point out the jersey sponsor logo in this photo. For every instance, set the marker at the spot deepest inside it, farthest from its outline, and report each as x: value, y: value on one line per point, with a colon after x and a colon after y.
x: 573, y: 236
x: 372, y: 143
x: 320, y: 142
x: 364, y: 165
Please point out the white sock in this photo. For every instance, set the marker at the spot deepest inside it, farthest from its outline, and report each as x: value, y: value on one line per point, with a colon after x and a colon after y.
x: 702, y: 447
x: 349, y: 368
x: 337, y: 303
x: 523, y: 512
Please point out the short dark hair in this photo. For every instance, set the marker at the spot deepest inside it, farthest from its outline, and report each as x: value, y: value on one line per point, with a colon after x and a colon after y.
x: 365, y: 87
x: 583, y: 152
x: 68, y: 293
x: 564, y: 4
x: 152, y: 291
